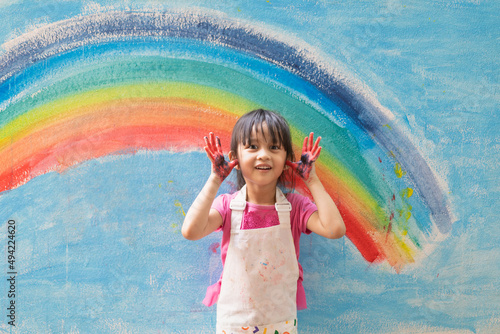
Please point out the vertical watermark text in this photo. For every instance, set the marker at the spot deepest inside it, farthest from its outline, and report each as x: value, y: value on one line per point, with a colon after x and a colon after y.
x: 11, y: 272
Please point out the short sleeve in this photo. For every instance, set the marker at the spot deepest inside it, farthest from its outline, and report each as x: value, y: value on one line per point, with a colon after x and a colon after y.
x: 221, y: 204
x: 218, y: 204
x: 302, y: 209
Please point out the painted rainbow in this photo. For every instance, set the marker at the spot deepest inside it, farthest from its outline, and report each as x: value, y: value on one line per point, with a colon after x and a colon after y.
x: 117, y: 83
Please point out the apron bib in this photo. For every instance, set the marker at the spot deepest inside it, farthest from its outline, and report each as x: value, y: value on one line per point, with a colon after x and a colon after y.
x: 259, y: 281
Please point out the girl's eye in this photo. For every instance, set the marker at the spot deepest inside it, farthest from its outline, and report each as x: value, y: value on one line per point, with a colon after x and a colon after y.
x: 275, y: 147
x: 252, y: 146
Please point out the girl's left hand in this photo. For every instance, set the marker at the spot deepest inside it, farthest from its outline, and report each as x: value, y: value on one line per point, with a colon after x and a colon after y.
x: 309, y: 155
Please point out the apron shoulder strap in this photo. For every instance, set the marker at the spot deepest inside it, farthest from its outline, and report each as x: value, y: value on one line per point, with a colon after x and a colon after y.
x: 282, y: 204
x: 238, y: 203
x: 283, y: 207
x: 237, y: 206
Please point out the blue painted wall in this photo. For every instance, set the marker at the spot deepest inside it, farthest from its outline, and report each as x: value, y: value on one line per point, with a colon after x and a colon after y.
x: 99, y: 248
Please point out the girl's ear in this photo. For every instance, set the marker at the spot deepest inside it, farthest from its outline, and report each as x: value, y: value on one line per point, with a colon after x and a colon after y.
x: 286, y: 167
x: 232, y: 156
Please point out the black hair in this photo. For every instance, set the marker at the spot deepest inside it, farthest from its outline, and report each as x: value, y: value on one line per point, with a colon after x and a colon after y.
x: 279, y: 131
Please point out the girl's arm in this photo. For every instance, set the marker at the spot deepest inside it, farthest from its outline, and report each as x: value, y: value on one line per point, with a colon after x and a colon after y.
x: 200, y: 219
x: 327, y: 221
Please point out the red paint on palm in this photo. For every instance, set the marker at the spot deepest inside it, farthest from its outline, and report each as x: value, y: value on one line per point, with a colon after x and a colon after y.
x: 310, y: 153
x: 214, y: 152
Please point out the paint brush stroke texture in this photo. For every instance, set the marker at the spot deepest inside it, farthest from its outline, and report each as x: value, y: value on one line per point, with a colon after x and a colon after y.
x: 209, y: 70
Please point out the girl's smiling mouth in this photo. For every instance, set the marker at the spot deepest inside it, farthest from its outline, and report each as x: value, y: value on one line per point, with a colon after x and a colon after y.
x: 263, y: 167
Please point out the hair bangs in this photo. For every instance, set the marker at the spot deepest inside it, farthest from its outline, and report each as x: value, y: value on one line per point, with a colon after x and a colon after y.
x: 256, y: 122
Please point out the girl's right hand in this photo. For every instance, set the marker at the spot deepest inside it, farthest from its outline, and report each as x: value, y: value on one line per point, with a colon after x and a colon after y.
x: 214, y: 152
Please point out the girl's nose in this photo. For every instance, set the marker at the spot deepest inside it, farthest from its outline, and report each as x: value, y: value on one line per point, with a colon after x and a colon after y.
x: 263, y: 154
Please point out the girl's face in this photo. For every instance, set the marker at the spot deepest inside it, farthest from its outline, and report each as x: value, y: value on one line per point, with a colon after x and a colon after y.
x: 261, y: 161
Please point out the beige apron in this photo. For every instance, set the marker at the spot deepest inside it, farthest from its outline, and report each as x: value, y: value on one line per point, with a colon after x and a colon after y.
x: 259, y: 281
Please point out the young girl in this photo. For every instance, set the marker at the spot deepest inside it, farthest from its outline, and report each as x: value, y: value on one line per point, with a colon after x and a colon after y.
x: 261, y: 285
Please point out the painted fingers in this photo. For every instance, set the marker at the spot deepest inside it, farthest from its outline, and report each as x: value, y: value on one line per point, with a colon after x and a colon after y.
x: 310, y: 153
x: 214, y: 152
x: 309, y: 149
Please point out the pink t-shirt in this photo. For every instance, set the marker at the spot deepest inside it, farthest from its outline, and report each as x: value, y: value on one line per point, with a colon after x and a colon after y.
x: 302, y: 208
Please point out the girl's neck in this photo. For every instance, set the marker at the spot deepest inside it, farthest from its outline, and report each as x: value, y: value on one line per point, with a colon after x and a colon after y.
x: 261, y: 195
